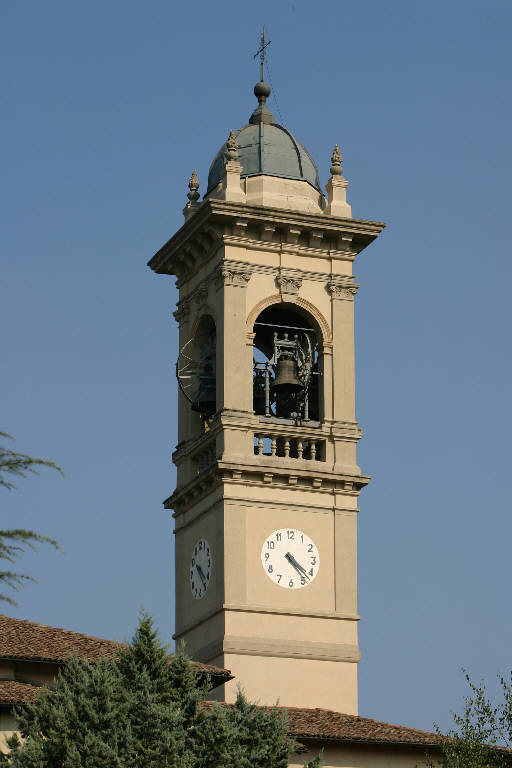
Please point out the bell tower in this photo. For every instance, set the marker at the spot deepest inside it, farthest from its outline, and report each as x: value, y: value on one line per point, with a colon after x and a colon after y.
x: 266, y: 501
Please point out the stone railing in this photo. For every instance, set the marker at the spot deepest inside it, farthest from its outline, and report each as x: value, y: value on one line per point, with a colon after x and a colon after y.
x: 287, y: 447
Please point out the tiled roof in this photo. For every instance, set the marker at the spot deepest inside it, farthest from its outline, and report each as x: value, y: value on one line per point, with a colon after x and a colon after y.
x: 13, y: 693
x: 315, y: 724
x: 29, y: 641
x: 326, y: 725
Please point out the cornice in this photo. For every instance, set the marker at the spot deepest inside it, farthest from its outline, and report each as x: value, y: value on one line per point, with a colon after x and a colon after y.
x: 293, y: 474
x: 291, y: 649
x: 219, y: 221
x: 264, y: 610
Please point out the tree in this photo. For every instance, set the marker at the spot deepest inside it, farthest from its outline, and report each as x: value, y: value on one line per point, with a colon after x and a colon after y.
x: 481, y: 731
x: 13, y: 541
x: 142, y: 710
x: 84, y: 721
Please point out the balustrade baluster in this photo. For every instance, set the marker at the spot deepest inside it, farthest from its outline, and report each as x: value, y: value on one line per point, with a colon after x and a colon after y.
x: 313, y: 450
x: 260, y: 445
x: 273, y: 449
x: 286, y: 448
x: 300, y: 449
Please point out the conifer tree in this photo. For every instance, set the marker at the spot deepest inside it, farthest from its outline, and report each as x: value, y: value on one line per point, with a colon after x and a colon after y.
x: 83, y: 721
x: 145, y: 710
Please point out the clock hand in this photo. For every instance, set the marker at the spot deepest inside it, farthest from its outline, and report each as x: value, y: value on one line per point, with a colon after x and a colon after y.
x: 300, y: 570
x: 201, y: 575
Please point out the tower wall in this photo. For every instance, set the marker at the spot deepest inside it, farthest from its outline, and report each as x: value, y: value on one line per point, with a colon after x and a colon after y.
x: 298, y: 645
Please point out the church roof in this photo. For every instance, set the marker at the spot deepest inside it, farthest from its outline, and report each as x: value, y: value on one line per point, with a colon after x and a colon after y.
x: 326, y: 725
x: 303, y: 724
x: 264, y: 147
x: 22, y: 640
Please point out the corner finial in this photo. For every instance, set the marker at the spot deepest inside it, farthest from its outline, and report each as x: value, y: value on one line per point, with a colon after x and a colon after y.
x: 231, y: 147
x: 336, y: 160
x: 193, y: 186
x: 337, y: 189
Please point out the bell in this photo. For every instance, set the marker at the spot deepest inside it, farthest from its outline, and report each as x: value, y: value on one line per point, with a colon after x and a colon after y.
x: 205, y: 401
x: 286, y: 381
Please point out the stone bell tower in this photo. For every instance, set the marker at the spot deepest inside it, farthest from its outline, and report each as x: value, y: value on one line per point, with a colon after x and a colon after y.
x: 266, y: 501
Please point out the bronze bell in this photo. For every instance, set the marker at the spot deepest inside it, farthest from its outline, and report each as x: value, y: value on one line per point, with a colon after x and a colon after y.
x: 205, y: 400
x: 286, y: 381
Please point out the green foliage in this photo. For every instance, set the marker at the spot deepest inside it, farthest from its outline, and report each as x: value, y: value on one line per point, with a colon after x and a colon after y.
x: 84, y: 721
x: 143, y: 711
x: 244, y: 735
x: 480, y: 731
x: 14, y: 541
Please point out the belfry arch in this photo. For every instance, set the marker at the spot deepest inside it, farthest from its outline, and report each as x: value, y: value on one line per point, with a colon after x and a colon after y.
x: 287, y: 344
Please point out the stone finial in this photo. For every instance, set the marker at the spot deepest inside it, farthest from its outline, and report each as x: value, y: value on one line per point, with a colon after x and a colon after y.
x: 336, y: 160
x: 193, y: 186
x: 337, y: 189
x: 231, y: 147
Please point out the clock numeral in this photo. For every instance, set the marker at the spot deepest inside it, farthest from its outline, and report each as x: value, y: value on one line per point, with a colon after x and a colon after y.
x: 288, y: 550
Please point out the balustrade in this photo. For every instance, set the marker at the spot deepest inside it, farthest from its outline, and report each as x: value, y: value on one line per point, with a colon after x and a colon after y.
x: 286, y: 447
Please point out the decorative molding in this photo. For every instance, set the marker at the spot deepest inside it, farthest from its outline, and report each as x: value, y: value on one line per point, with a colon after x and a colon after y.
x: 291, y: 649
x: 267, y: 232
x: 323, y: 325
x: 288, y: 284
x: 201, y: 294
x: 182, y: 313
x: 340, y: 291
x: 263, y: 610
x: 293, y: 235
x: 170, y: 260
x: 229, y: 275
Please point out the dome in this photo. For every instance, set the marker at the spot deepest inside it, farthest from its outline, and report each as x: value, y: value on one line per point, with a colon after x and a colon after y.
x: 266, y: 148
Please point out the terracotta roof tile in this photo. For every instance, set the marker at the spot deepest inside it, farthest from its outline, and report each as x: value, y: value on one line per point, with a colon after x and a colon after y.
x: 12, y: 692
x: 324, y: 724
x: 327, y: 725
x: 29, y: 641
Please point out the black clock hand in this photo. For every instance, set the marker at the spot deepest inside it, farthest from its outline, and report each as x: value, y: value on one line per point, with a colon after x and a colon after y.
x: 300, y: 570
x: 201, y: 575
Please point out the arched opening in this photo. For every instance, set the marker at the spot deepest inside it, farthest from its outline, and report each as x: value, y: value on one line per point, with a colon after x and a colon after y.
x: 196, y: 369
x: 285, y: 367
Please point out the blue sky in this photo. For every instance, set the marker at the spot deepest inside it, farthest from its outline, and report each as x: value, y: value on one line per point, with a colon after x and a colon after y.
x: 106, y: 109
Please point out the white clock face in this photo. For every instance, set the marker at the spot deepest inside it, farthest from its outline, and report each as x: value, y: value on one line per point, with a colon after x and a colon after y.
x: 200, y: 568
x: 290, y: 558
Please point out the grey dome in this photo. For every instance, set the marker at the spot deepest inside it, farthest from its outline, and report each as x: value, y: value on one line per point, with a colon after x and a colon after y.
x: 268, y: 148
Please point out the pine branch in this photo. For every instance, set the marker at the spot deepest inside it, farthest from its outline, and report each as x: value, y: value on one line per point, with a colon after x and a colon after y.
x: 14, y: 551
x: 20, y: 464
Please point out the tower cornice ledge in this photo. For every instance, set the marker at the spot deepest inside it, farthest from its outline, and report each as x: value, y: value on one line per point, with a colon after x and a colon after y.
x: 220, y: 217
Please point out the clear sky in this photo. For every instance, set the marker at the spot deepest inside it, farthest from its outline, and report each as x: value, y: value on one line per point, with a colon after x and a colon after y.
x: 106, y: 109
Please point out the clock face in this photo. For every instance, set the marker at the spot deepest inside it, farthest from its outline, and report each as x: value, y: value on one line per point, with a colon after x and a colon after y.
x: 200, y: 568
x: 290, y: 558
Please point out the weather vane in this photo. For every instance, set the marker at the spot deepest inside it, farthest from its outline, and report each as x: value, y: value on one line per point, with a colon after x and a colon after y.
x: 261, y: 52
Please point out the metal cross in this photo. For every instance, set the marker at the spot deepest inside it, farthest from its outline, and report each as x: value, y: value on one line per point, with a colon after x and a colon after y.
x: 261, y: 52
